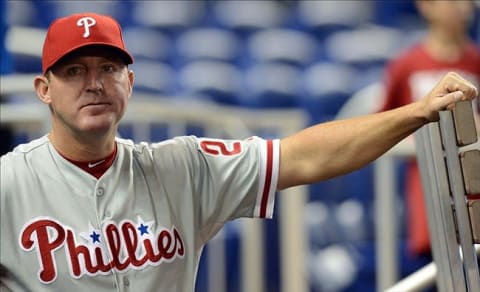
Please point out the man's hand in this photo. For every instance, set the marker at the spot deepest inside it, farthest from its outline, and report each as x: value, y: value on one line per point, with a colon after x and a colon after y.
x: 451, y: 89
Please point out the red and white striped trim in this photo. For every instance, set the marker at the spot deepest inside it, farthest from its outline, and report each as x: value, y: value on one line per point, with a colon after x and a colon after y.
x: 270, y: 156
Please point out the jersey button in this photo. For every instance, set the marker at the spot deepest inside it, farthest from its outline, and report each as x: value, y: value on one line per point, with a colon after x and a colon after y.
x: 100, y: 192
x: 126, y: 282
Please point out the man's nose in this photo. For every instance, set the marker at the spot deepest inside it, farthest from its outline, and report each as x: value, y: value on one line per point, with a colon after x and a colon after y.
x: 94, y: 81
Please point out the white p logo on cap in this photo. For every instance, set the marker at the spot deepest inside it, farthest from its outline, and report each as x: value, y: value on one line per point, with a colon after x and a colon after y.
x: 86, y: 22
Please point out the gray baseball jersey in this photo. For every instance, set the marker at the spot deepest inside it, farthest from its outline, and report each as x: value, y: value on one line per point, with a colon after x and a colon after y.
x: 139, y: 227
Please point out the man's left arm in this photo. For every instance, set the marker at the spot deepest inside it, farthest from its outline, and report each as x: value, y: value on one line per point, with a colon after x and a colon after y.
x: 335, y: 148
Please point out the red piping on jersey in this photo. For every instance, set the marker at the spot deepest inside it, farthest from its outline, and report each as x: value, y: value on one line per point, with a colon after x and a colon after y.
x: 268, y: 179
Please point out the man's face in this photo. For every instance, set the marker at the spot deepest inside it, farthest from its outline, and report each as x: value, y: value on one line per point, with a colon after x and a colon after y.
x: 89, y: 90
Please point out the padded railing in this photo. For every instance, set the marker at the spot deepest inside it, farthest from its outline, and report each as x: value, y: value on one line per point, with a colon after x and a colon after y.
x: 449, y: 160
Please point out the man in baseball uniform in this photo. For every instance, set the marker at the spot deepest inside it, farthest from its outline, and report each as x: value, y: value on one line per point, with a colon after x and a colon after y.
x: 81, y: 209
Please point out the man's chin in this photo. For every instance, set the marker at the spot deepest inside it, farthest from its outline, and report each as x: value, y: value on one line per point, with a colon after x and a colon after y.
x: 99, y: 128
x: 99, y: 125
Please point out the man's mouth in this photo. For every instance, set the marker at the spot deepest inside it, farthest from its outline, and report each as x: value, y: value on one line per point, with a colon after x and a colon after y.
x: 96, y: 104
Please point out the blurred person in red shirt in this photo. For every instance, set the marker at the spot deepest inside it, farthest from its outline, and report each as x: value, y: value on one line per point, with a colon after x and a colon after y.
x: 446, y: 46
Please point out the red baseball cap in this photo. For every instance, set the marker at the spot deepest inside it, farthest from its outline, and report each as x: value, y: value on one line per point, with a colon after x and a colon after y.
x: 72, y: 32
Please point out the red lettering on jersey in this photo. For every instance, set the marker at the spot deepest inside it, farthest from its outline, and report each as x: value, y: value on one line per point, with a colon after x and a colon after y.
x: 123, y: 245
x: 36, y: 236
x: 131, y: 242
x: 91, y: 266
x: 114, y: 241
x: 220, y: 148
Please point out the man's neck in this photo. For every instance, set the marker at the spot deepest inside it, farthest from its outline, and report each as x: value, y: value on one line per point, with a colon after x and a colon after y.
x: 83, y: 148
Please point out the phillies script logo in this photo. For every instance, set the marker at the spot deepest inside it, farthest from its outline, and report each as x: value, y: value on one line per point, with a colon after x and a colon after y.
x: 116, y: 246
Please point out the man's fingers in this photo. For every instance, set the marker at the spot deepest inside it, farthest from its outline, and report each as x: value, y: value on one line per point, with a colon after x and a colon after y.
x: 450, y: 90
x: 450, y: 99
x: 454, y: 82
x: 457, y: 96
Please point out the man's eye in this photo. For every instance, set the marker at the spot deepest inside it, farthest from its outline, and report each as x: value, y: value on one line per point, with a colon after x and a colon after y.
x: 72, y: 71
x: 108, y: 68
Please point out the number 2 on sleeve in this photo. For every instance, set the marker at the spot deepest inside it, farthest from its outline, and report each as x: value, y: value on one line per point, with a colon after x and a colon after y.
x: 220, y: 148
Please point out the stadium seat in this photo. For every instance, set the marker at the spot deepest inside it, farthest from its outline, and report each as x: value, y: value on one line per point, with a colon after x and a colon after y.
x: 25, y: 58
x: 333, y: 268
x: 208, y: 43
x: 319, y: 223
x: 168, y: 16
x: 325, y: 17
x: 397, y: 14
x: 20, y: 13
x: 364, y: 46
x: 245, y: 17
x: 215, y: 80
x: 326, y: 87
x: 272, y: 85
x: 148, y: 43
x: 282, y: 45
x: 154, y: 77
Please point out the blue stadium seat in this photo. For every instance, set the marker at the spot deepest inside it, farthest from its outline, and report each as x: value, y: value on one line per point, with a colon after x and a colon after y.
x: 326, y: 87
x: 20, y: 13
x: 25, y: 56
x: 351, y: 217
x: 245, y: 17
x: 217, y: 81
x: 169, y: 16
x: 272, y: 85
x: 364, y: 46
x: 282, y: 45
x: 154, y: 77
x: 208, y: 43
x: 319, y: 224
x: 6, y: 62
x: 148, y: 43
x: 325, y: 17
x: 333, y: 268
x: 397, y: 14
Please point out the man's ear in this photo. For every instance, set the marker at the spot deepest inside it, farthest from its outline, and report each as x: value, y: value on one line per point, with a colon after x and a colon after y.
x: 41, y: 85
x: 131, y: 78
